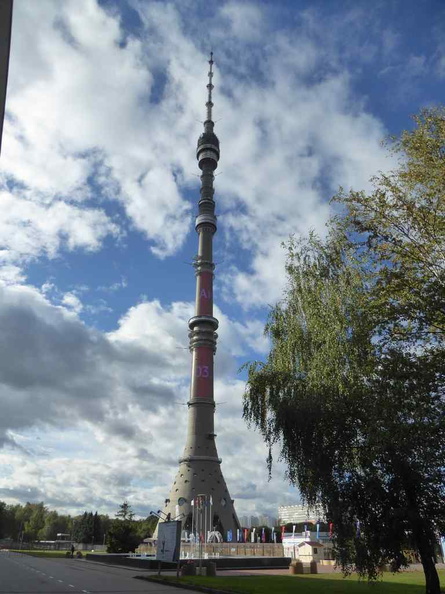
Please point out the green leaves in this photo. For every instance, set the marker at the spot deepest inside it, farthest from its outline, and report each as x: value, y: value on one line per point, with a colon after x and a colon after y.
x: 352, y: 391
x: 402, y: 222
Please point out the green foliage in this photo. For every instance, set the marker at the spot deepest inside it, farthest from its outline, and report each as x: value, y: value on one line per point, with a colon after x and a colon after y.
x: 402, y: 223
x: 89, y: 528
x: 352, y: 392
x: 54, y: 524
x: 125, y: 512
x: 83, y: 528
x: 33, y: 521
x: 145, y: 528
x: 123, y: 534
x: 8, y: 524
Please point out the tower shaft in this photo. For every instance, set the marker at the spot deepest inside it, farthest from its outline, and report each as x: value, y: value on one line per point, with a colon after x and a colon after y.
x: 199, y: 467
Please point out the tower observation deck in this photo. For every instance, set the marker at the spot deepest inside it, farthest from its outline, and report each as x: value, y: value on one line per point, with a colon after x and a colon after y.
x: 200, y: 467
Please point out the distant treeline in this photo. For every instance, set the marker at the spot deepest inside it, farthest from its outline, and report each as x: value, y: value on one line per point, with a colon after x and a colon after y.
x: 34, y: 521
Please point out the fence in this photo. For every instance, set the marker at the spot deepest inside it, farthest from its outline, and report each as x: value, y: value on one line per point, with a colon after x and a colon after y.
x: 226, y: 549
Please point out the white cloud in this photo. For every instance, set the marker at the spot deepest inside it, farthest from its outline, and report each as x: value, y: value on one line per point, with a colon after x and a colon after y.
x: 117, y: 397
x: 79, y: 106
x: 29, y: 229
x: 245, y: 20
x: 73, y: 302
x: 11, y: 274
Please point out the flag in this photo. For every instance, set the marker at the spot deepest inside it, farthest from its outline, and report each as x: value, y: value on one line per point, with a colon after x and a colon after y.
x: 331, y: 529
x: 357, y: 529
x: 263, y: 535
x: 318, y: 530
x: 229, y: 536
x: 246, y: 534
x: 282, y: 532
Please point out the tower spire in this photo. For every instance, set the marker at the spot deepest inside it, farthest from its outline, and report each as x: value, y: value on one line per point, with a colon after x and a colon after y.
x: 210, y: 88
x: 200, y: 467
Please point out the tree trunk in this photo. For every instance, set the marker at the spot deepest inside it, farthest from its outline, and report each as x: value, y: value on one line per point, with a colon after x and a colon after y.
x: 424, y: 539
x: 429, y: 567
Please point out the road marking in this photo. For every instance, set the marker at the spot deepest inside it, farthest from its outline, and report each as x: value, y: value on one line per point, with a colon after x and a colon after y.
x: 61, y: 581
x: 71, y: 585
x: 86, y: 591
x: 51, y: 577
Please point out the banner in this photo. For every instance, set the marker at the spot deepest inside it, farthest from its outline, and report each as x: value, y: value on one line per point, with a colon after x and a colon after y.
x: 169, y: 541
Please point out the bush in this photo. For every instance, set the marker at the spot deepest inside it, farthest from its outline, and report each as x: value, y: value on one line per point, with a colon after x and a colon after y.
x: 188, y: 568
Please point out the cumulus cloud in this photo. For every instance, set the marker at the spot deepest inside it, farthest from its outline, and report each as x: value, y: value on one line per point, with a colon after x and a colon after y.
x: 72, y: 301
x: 89, y: 100
x: 117, y: 397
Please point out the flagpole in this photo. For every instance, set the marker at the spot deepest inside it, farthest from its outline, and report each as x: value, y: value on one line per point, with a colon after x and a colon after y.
x: 211, y: 514
x: 193, y: 527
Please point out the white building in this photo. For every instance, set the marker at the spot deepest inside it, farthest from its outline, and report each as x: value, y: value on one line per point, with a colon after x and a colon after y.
x: 308, y: 546
x: 293, y: 514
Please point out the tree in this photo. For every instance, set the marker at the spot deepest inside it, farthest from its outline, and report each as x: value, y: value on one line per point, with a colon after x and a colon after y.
x: 35, y: 513
x: 54, y: 524
x: 402, y: 223
x: 125, y: 512
x: 145, y: 528
x: 8, y: 528
x: 105, y: 523
x: 361, y: 430
x: 97, y: 529
x: 352, y: 391
x: 82, y: 528
x: 123, y: 535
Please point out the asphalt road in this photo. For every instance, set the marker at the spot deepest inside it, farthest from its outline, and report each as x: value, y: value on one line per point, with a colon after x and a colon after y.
x: 22, y: 574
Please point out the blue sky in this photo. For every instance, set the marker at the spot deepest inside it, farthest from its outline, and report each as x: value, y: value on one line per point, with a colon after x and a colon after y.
x: 99, y: 187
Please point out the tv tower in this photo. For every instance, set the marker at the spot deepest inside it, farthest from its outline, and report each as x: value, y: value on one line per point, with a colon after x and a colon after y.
x: 199, y: 467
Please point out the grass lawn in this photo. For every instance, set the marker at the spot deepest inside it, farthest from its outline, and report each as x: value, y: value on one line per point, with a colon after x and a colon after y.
x: 51, y: 553
x: 40, y: 553
x: 403, y: 583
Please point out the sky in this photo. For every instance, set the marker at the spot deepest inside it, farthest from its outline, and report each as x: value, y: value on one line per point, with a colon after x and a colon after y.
x: 98, y: 192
